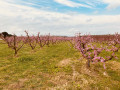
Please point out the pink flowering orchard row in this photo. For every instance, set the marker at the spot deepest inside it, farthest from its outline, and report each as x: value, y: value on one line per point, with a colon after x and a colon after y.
x: 17, y: 42
x: 92, y: 51
x: 91, y: 47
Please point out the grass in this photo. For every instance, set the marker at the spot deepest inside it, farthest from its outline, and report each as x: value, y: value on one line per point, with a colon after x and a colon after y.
x: 55, y: 67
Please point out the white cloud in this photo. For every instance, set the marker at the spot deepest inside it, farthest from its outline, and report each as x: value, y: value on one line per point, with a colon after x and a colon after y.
x: 17, y: 18
x: 71, y: 4
x: 112, y: 4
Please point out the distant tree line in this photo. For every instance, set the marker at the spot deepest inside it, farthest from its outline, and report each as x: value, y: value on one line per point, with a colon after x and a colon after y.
x: 5, y: 34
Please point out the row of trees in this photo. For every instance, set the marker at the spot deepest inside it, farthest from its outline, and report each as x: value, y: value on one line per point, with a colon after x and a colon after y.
x: 92, y: 48
x: 17, y: 42
x: 95, y: 49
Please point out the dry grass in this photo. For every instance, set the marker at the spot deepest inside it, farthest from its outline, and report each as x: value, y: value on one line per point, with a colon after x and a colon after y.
x: 114, y: 65
x: 54, y: 68
x: 64, y: 62
x: 17, y: 85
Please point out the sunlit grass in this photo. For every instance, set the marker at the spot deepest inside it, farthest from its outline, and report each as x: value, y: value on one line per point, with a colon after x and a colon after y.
x: 41, y: 69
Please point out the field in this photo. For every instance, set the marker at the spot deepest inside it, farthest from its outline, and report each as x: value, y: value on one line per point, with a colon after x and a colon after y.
x: 57, y: 67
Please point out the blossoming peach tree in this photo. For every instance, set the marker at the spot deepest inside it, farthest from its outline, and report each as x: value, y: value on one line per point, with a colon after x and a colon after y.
x: 97, y: 52
x: 16, y: 43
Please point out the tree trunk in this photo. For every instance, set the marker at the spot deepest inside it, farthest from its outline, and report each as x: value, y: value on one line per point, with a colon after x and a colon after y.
x: 88, y: 64
x: 15, y: 52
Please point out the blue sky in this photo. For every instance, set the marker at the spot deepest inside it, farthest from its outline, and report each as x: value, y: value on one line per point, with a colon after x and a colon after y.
x: 80, y: 6
x: 60, y: 17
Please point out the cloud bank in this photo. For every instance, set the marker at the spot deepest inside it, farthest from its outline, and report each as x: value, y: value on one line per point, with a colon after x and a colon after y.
x: 17, y: 18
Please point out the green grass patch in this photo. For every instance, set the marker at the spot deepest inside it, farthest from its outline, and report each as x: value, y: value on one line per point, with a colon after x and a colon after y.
x: 39, y: 69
